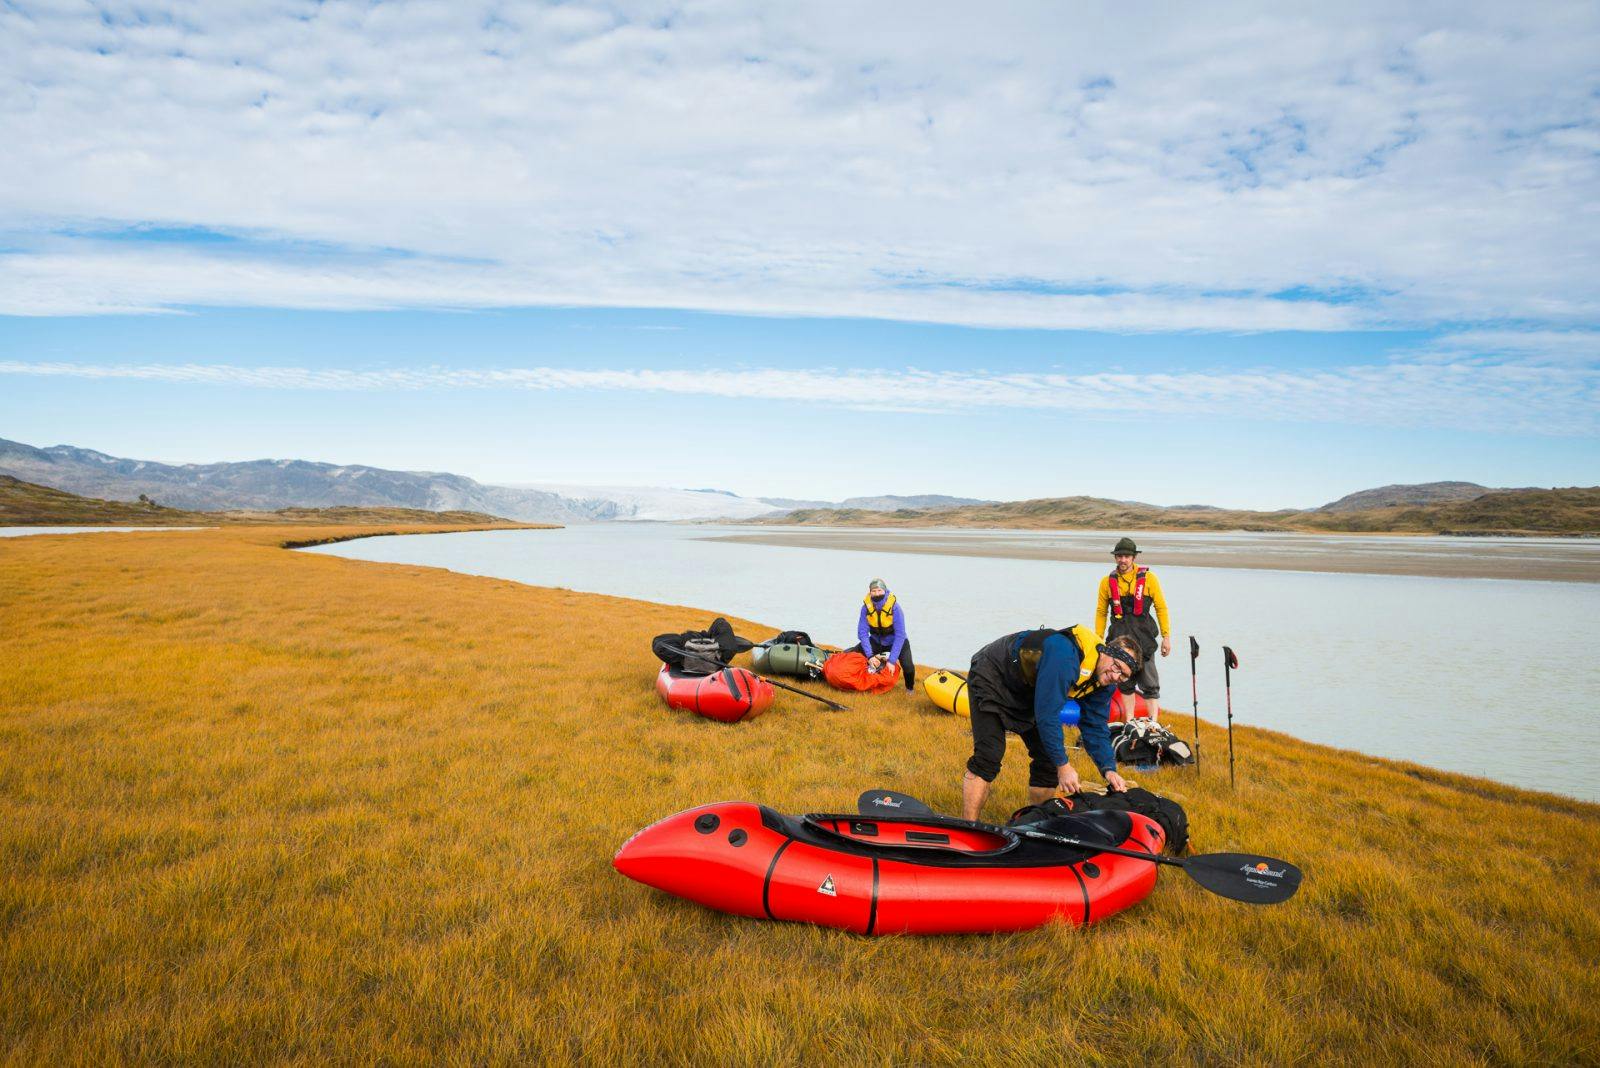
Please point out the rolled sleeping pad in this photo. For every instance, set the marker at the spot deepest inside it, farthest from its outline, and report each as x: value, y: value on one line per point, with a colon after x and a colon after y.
x: 949, y: 691
x: 786, y: 659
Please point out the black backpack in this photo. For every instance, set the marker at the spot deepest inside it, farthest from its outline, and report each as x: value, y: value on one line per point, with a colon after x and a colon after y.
x: 670, y: 648
x: 1168, y: 813
x: 1147, y: 745
x: 790, y: 637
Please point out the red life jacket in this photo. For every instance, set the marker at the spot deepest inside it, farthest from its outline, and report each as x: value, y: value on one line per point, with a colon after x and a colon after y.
x: 1115, y: 584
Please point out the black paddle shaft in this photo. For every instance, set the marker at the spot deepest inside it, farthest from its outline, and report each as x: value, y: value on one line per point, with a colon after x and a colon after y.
x: 1255, y: 880
x: 836, y: 706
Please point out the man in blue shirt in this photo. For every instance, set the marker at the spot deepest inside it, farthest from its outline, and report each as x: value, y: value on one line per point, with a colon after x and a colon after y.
x: 1031, y: 683
x: 882, y: 630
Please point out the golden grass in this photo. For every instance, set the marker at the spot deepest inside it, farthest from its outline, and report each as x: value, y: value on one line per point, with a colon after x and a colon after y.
x: 258, y: 805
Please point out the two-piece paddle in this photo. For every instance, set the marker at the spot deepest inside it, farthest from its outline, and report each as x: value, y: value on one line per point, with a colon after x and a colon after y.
x: 1194, y: 692
x: 1247, y: 877
x: 836, y: 706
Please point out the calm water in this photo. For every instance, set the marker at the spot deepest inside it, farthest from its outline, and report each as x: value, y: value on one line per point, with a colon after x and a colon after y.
x: 1439, y: 671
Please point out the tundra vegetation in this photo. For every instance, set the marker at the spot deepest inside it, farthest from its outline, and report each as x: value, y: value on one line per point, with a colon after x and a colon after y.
x: 261, y: 805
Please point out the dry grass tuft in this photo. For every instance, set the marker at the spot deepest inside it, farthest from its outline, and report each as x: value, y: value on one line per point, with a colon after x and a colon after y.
x: 258, y: 805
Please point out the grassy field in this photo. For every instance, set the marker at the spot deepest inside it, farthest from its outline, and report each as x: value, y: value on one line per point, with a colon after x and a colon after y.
x: 265, y: 806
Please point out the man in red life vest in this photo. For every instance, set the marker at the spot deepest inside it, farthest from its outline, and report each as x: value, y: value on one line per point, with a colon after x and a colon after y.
x: 1131, y: 596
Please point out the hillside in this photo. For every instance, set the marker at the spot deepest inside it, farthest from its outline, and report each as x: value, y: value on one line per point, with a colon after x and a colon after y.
x: 312, y: 810
x: 1416, y: 493
x: 1570, y: 511
x: 27, y: 505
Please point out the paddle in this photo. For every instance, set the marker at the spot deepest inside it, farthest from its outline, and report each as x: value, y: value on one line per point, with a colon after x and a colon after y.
x: 1246, y: 877
x: 836, y: 706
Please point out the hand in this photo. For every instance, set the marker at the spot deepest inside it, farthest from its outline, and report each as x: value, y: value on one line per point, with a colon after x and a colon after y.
x: 1116, y: 782
x: 1067, y: 780
x: 1166, y: 645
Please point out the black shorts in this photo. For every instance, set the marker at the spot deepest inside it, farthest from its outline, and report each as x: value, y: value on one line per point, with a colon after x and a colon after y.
x: 990, y: 717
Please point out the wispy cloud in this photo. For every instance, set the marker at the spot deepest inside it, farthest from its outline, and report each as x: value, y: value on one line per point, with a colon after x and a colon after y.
x: 1223, y: 168
x: 1505, y: 397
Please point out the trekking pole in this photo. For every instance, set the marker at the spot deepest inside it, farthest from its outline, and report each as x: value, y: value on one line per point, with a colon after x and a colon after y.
x: 1194, y: 692
x: 1229, y: 662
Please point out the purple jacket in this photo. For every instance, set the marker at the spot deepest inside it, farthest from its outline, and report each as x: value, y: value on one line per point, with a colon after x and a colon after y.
x: 864, y: 632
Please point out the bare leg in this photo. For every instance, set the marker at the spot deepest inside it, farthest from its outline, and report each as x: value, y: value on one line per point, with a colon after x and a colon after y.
x: 974, y: 792
x: 1038, y: 795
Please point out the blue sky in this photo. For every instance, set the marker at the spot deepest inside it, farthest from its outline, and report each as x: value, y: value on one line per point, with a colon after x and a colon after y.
x: 1243, y: 257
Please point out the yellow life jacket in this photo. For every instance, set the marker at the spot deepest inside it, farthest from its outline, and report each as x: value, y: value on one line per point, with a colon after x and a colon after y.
x: 880, y: 619
x: 1088, y: 643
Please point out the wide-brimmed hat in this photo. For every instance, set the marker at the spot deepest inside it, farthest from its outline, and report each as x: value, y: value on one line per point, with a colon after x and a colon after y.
x: 1125, y: 545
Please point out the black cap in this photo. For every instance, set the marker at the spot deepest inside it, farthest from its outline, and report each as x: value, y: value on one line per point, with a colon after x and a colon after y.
x: 1125, y: 545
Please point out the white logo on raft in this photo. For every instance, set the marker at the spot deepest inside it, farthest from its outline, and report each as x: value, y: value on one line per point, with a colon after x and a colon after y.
x: 827, y: 887
x: 886, y: 802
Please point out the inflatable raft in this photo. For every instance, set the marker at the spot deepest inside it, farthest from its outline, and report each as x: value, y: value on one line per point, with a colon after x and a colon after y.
x: 949, y: 691
x: 907, y: 875
x: 1126, y: 706
x: 728, y: 696
x: 786, y: 659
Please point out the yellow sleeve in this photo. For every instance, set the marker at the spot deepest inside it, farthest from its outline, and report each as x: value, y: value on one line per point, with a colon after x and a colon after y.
x: 1102, y: 606
x: 1153, y: 585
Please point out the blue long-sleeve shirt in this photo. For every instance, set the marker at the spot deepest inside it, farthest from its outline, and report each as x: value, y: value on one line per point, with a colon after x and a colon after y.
x: 1059, y: 663
x: 864, y: 632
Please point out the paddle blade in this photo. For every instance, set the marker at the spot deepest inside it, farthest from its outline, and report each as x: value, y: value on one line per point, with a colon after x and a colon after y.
x: 1245, y: 877
x: 1194, y: 649
x: 885, y: 803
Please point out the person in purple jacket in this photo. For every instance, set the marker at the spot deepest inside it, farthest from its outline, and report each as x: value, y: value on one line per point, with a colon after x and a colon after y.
x: 882, y: 630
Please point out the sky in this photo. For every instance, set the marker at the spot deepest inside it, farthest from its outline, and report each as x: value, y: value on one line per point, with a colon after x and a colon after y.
x: 1232, y: 254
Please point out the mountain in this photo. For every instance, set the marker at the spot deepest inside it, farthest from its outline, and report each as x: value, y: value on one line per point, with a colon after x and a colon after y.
x: 1570, y: 511
x: 274, y: 484
x: 25, y: 504
x: 1418, y: 493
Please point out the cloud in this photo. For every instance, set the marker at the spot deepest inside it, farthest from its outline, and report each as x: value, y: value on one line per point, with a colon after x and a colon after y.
x: 1504, y: 398
x: 1383, y: 164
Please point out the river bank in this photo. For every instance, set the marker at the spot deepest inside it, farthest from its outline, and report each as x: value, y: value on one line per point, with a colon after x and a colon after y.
x: 1543, y: 559
x: 263, y: 805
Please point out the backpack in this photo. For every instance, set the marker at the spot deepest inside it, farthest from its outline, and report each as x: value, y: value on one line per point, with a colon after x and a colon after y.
x: 717, y: 641
x: 1147, y: 745
x: 790, y: 637
x: 1168, y: 813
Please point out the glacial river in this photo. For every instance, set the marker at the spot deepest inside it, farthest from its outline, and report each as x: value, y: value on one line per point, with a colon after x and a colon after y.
x: 1489, y: 676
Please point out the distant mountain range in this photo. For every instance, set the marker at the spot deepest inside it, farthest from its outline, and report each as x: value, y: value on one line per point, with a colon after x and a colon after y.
x: 274, y: 484
x: 269, y: 485
x: 1431, y: 508
x: 26, y: 504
